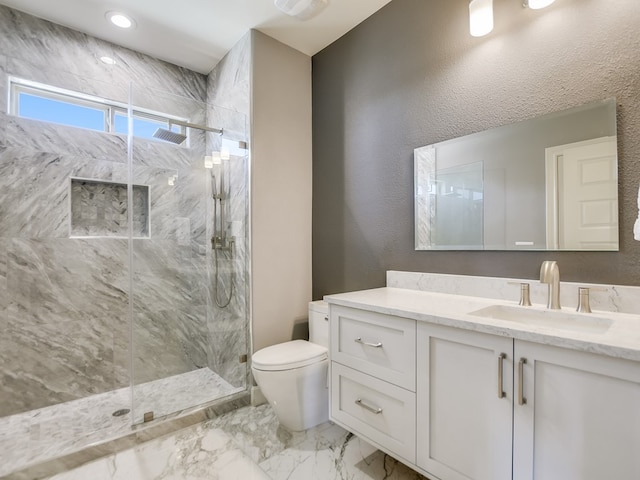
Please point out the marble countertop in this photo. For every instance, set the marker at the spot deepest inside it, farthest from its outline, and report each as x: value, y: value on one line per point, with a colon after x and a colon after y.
x: 620, y: 337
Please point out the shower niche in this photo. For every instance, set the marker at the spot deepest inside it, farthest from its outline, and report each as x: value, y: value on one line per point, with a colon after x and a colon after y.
x: 100, y: 209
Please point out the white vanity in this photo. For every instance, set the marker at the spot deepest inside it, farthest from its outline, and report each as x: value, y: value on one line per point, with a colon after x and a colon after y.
x: 476, y: 387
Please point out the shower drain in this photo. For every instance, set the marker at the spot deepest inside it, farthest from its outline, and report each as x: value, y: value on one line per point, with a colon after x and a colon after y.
x: 122, y: 411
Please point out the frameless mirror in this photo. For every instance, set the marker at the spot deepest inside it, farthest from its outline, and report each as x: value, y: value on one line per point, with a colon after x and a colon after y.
x: 547, y: 183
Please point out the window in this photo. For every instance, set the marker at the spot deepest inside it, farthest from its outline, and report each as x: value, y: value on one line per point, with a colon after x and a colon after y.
x: 65, y: 107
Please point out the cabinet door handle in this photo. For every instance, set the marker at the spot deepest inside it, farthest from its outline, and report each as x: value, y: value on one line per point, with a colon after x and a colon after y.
x: 374, y: 345
x: 326, y: 318
x: 501, y: 358
x: 521, y: 399
x: 376, y: 410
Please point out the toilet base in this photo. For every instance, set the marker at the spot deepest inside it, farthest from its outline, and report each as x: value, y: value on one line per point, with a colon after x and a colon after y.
x: 299, y: 397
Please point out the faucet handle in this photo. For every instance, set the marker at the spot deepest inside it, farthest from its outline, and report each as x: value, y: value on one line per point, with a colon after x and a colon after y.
x: 583, y: 300
x: 525, y: 299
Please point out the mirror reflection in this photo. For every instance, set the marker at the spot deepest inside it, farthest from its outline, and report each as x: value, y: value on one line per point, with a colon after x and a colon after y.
x: 547, y: 183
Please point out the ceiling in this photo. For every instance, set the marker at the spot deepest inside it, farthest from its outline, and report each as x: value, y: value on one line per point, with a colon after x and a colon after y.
x: 197, y: 33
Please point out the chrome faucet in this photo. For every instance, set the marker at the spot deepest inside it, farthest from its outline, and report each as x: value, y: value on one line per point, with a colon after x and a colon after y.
x: 550, y: 274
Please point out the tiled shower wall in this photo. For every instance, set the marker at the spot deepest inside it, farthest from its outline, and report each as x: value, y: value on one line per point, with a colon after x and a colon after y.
x: 64, y: 301
x: 228, y: 86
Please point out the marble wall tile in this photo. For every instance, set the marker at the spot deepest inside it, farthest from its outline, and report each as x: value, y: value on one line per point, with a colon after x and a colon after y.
x: 170, y: 341
x: 34, y: 198
x: 228, y: 92
x: 3, y: 86
x: 47, y: 137
x: 57, y: 328
x: 608, y: 298
x: 228, y: 84
x: 226, y: 349
x: 57, y: 75
x: 150, y: 73
x: 27, y: 37
x: 170, y: 320
x: 5, y: 244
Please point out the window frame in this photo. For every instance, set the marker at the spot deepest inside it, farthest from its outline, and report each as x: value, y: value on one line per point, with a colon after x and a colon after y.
x: 109, y: 107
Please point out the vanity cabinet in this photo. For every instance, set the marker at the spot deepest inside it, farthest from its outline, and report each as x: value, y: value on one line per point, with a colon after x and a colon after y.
x: 373, y: 375
x: 465, y: 403
x: 579, y: 415
x: 482, y: 406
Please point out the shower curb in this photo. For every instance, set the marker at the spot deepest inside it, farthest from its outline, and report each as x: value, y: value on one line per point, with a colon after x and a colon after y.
x: 138, y: 435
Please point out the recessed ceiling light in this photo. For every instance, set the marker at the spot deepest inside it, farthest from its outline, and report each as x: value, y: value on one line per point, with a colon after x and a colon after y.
x: 107, y: 60
x: 120, y: 20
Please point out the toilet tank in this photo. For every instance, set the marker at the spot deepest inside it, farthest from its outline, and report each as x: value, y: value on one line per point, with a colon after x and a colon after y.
x: 319, y: 323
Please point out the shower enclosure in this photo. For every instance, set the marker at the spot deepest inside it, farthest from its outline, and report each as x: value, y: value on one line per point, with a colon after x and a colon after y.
x: 110, y: 259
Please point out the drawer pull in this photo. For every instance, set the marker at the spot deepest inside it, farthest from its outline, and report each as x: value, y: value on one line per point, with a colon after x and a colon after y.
x: 326, y: 318
x: 501, y: 358
x: 374, y: 345
x: 376, y: 410
x: 521, y: 399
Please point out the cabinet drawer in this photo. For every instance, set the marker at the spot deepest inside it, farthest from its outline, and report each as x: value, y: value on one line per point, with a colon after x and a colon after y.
x: 377, y: 344
x: 375, y: 409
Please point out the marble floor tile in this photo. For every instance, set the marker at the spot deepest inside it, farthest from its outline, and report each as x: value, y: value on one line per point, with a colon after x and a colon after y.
x: 325, y: 452
x: 191, y: 454
x: 248, y: 444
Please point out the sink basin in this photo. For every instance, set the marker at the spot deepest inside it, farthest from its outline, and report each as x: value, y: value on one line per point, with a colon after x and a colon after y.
x: 577, y: 322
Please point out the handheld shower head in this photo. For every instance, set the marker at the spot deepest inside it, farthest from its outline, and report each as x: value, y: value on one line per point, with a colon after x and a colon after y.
x: 214, y: 190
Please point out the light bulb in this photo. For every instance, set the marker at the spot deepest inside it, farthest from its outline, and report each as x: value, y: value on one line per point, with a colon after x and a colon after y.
x: 208, y: 162
x: 480, y: 17
x: 538, y: 4
x: 120, y: 20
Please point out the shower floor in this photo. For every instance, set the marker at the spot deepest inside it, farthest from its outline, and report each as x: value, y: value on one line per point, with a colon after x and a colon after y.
x: 38, y: 435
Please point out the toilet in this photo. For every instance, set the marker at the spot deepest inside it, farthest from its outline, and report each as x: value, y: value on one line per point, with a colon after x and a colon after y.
x: 293, y: 375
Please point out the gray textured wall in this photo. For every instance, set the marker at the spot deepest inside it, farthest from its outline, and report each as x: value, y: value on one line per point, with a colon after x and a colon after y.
x: 411, y: 75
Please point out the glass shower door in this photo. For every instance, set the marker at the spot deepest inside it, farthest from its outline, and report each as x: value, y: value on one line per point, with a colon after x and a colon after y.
x: 186, y: 351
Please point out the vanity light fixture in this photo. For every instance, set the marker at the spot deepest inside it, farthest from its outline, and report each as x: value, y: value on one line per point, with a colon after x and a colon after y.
x: 537, y: 4
x: 481, y: 14
x: 120, y: 19
x: 480, y: 17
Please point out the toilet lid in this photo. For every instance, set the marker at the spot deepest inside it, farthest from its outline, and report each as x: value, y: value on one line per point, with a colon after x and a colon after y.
x: 288, y: 355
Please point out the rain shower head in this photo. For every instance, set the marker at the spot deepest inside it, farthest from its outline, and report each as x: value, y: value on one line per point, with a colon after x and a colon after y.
x: 169, y: 136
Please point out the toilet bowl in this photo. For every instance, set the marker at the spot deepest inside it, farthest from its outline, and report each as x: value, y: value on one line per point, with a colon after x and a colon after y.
x: 293, y: 375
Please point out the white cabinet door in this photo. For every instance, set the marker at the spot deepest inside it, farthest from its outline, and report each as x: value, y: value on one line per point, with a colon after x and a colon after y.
x: 464, y: 420
x: 580, y: 417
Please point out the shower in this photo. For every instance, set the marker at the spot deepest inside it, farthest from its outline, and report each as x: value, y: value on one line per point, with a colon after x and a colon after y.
x: 169, y: 135
x: 220, y: 242
x: 107, y: 272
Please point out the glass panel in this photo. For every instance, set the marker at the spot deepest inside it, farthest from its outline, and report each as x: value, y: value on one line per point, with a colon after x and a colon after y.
x: 186, y: 350
x: 459, y: 207
x: 57, y: 111
x: 64, y: 347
